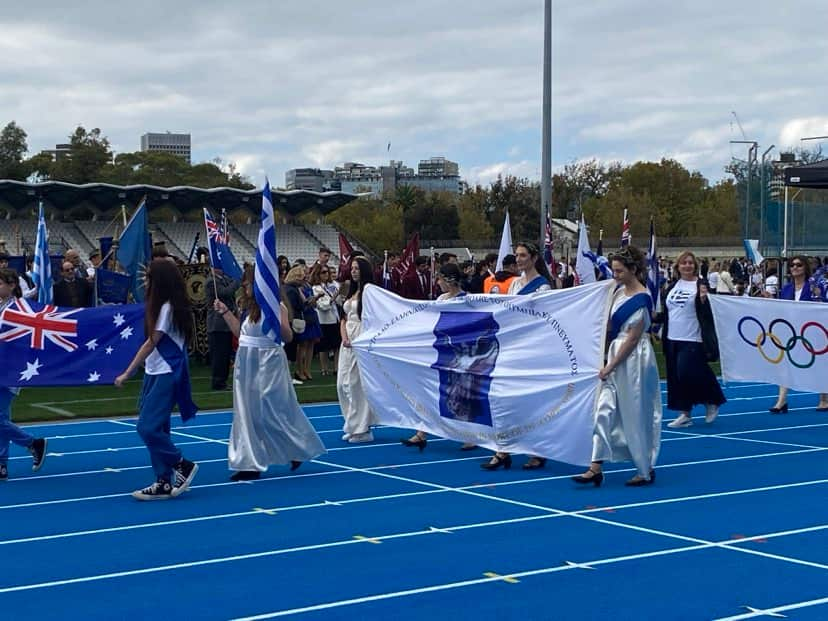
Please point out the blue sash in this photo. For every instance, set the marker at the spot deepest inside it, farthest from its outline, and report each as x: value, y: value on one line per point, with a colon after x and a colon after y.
x: 177, y: 359
x: 626, y: 310
x: 533, y: 285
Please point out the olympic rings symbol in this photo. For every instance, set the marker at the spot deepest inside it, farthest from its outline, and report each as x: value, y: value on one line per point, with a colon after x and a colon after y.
x: 789, y: 337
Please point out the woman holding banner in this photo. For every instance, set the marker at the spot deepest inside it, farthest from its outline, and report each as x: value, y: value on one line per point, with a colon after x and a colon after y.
x: 800, y: 289
x: 628, y: 416
x: 352, y: 400
x: 689, y: 342
x: 535, y: 277
x: 269, y: 426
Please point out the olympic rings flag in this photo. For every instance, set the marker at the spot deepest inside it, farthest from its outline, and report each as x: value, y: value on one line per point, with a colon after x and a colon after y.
x: 776, y: 341
x: 517, y: 373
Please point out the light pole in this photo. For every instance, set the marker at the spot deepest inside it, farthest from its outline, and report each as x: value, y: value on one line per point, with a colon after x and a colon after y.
x: 546, y: 138
x: 762, y: 195
x: 754, y: 147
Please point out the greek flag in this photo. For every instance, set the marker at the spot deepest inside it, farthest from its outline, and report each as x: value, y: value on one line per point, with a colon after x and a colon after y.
x: 42, y: 268
x: 266, y: 282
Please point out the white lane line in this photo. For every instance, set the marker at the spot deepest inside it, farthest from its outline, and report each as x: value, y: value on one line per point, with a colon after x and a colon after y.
x: 94, y: 451
x: 402, y: 495
x: 775, y: 611
x: 55, y: 410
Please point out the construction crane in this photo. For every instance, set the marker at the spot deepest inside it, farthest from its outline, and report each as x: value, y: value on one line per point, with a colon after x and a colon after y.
x: 741, y: 129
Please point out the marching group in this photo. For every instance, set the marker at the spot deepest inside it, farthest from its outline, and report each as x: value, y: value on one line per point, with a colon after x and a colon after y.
x: 322, y: 314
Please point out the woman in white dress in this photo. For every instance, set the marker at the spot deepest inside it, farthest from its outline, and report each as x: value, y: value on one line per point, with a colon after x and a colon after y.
x: 628, y: 413
x: 352, y: 401
x: 534, y: 277
x: 269, y: 426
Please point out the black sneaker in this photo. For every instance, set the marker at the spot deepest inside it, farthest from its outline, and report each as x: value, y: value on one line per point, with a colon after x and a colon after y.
x: 160, y: 490
x: 38, y: 451
x: 4, y: 472
x: 184, y: 473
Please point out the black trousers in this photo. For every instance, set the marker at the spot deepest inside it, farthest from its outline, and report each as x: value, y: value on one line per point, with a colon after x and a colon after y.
x: 221, y: 347
x: 690, y: 380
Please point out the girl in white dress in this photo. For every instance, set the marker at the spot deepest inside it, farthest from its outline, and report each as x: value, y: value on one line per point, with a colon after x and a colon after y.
x: 628, y: 413
x: 269, y: 426
x: 352, y: 401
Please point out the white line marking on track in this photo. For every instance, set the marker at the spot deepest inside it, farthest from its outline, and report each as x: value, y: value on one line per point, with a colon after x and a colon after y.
x: 774, y: 612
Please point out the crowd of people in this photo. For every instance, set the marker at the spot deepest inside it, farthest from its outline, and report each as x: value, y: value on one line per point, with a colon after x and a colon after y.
x: 321, y: 314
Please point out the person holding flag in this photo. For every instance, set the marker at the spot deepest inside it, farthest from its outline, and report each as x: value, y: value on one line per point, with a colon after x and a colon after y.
x: 269, y: 426
x: 223, y: 284
x: 168, y: 326
x: 9, y: 432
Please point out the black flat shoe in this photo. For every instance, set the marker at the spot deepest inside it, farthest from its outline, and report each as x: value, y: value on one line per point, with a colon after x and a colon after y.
x: 497, y: 461
x: 468, y: 447
x: 420, y: 443
x: 821, y: 409
x: 294, y: 464
x: 596, y: 479
x: 245, y: 475
x: 535, y: 463
x: 782, y: 410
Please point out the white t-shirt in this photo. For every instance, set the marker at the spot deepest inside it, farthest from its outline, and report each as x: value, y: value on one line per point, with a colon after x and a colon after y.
x: 713, y: 280
x: 155, y: 363
x: 772, y: 284
x: 681, y: 306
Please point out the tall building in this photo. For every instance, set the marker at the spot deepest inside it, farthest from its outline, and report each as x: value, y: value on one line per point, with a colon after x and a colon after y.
x: 438, y: 167
x: 59, y: 152
x: 314, y: 179
x: 177, y: 144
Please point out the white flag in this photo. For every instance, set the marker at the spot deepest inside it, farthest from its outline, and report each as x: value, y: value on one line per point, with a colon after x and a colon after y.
x: 777, y: 341
x: 511, y: 373
x: 505, y: 244
x: 584, y: 262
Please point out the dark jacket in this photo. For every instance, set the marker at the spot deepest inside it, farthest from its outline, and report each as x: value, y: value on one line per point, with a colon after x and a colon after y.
x: 226, y: 288
x: 75, y: 293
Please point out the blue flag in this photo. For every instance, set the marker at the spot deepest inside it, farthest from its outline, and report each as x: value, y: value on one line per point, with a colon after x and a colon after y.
x: 221, y: 257
x: 266, y: 282
x: 653, y: 273
x: 45, y: 345
x: 134, y: 250
x: 113, y: 288
x: 42, y: 266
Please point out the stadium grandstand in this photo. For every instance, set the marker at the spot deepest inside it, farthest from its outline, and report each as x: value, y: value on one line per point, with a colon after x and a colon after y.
x: 77, y: 215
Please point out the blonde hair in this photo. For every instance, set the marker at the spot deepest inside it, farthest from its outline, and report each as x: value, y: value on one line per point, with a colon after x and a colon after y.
x: 683, y: 256
x: 295, y: 276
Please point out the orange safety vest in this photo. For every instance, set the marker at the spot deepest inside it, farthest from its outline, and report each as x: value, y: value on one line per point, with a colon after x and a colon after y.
x: 492, y: 285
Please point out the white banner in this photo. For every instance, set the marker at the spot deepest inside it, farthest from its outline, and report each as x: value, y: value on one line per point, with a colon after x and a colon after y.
x: 511, y: 373
x: 777, y: 341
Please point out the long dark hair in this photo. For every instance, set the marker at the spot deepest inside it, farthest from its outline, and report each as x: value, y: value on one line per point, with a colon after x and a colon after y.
x: 366, y: 277
x: 540, y: 264
x: 165, y: 284
x: 247, y: 302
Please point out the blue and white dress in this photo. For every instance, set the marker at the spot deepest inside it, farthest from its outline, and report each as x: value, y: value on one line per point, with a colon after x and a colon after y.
x: 269, y: 426
x: 628, y: 413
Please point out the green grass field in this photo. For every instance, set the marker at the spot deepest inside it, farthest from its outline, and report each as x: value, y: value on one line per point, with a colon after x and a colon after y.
x: 68, y: 402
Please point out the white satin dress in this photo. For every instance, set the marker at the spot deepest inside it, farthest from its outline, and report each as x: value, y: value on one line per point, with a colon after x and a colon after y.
x: 269, y: 426
x: 349, y: 388
x: 628, y: 414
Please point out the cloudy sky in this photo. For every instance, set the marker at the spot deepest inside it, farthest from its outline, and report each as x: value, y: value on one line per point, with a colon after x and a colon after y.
x: 278, y: 84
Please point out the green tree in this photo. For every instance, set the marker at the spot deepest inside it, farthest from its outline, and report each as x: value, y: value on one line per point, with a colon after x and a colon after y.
x: 374, y: 222
x: 522, y: 199
x: 471, y: 211
x: 13, y: 148
x: 89, y: 153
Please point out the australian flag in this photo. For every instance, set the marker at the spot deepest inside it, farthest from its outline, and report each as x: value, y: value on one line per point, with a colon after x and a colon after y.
x: 45, y: 345
x: 221, y: 256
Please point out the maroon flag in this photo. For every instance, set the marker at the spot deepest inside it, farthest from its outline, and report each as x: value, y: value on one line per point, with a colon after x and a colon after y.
x: 345, y: 252
x: 409, y: 255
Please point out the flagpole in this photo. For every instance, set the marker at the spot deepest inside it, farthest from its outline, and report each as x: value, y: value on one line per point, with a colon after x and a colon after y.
x: 546, y: 138
x: 431, y: 274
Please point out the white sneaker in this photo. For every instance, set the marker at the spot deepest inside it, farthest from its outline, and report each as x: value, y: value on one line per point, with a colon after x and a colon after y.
x: 297, y: 382
x: 345, y: 436
x: 712, y: 413
x: 682, y: 421
x: 359, y: 438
